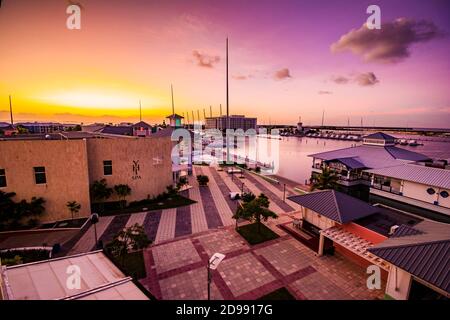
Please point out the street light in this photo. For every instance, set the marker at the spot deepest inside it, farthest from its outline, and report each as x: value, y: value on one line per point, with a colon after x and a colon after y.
x: 94, y: 220
x: 284, y: 192
x: 213, y: 263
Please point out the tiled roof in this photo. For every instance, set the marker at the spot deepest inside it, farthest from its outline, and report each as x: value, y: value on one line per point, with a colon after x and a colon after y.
x: 335, y: 205
x: 417, y: 173
x: 424, y: 254
x: 373, y: 156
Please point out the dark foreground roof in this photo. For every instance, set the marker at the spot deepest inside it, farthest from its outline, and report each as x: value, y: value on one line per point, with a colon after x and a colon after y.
x: 335, y: 205
x: 120, y: 130
x: 423, y: 252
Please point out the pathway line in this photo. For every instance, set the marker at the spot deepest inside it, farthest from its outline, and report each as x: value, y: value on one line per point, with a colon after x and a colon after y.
x: 166, y: 228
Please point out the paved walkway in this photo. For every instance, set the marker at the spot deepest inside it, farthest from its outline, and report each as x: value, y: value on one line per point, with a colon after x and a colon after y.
x: 213, y: 209
x: 249, y: 272
x: 87, y: 242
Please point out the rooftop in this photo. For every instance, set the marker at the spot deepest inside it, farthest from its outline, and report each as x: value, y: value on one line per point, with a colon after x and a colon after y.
x: 423, y: 251
x: 373, y: 156
x: 417, y: 173
x: 380, y: 136
x: 335, y: 205
x: 46, y: 280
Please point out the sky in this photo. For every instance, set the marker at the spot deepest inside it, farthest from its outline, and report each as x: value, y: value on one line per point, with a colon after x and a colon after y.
x: 288, y: 59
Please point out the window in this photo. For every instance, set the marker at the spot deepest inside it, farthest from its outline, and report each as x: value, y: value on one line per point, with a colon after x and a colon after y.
x: 39, y: 175
x: 431, y: 191
x: 444, y: 194
x: 157, y: 161
x: 107, y: 167
x: 2, y: 178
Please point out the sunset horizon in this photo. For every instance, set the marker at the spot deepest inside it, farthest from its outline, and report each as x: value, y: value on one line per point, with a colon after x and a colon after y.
x: 307, y: 61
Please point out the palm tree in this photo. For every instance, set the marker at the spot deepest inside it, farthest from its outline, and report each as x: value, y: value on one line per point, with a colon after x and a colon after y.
x: 122, y: 190
x: 326, y: 180
x: 100, y: 192
x: 74, y: 207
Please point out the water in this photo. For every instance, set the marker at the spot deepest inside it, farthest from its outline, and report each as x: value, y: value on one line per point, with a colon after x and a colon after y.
x: 294, y: 163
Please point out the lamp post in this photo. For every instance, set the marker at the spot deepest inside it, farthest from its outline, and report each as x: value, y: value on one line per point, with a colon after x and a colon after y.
x: 242, y: 188
x: 94, y: 220
x: 213, y: 263
x: 284, y: 192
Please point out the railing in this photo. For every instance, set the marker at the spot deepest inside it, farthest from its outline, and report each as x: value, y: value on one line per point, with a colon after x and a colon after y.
x: 317, y: 166
x: 386, y: 188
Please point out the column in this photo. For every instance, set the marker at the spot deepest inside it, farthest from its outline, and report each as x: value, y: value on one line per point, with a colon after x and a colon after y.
x: 321, y: 243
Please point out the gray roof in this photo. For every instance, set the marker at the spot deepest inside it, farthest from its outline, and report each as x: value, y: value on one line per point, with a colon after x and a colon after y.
x: 425, y: 255
x: 335, y: 205
x: 351, y: 163
x: 121, y: 130
x: 405, y: 230
x: 142, y: 124
x: 373, y: 156
x: 176, y: 116
x: 435, y: 177
x: 380, y: 135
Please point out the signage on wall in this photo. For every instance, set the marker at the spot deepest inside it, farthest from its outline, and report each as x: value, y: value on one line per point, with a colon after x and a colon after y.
x: 136, y: 170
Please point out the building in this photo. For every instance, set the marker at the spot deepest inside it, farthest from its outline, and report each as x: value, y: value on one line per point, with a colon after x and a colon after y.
x: 100, y: 279
x: 425, y: 188
x: 236, y: 122
x: 61, y: 167
x: 377, y: 151
x: 419, y: 259
x: 175, y: 120
x: 413, y: 254
x: 142, y: 129
x: 7, y: 129
x: 42, y: 127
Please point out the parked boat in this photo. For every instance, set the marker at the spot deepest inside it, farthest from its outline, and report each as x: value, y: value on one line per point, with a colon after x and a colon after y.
x: 413, y: 143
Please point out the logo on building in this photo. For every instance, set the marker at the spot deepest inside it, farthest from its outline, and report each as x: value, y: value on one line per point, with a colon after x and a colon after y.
x: 136, y: 170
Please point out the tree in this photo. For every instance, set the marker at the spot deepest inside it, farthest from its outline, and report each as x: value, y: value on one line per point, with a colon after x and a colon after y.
x: 325, y: 180
x: 7, y: 207
x: 74, y: 207
x: 130, y: 239
x: 122, y: 191
x: 256, y: 210
x: 100, y: 191
x: 202, y: 180
x: 22, y: 130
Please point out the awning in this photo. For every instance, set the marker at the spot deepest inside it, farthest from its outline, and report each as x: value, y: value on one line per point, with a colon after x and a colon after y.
x: 355, y: 244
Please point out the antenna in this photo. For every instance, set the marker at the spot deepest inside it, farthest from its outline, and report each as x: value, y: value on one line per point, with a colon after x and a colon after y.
x: 10, y: 110
x: 198, y: 116
x: 228, y: 107
x: 140, y: 110
x: 193, y: 118
x: 210, y: 111
x: 220, y: 106
x: 204, y: 113
x: 173, y: 106
x: 323, y: 116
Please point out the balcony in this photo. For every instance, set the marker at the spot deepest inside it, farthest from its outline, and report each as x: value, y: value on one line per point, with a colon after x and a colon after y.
x: 386, y: 188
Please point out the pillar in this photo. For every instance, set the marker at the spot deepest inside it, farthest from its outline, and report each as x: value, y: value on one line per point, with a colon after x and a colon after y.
x: 321, y: 244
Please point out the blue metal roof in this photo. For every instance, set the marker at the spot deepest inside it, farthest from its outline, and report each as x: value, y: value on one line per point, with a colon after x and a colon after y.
x: 335, y: 205
x: 428, y: 261
x: 351, y: 163
x: 380, y: 136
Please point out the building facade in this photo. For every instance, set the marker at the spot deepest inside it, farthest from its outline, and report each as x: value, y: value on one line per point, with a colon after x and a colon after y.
x: 236, y: 122
x: 62, y: 170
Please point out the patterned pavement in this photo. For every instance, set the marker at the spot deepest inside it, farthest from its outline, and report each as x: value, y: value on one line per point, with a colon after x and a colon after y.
x: 213, y: 209
x: 249, y: 272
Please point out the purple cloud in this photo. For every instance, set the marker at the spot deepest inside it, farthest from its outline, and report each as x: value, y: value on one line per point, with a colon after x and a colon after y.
x: 282, y: 74
x: 205, y: 60
x: 390, y: 44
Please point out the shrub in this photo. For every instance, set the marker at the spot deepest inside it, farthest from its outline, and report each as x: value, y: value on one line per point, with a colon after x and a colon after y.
x: 202, y: 180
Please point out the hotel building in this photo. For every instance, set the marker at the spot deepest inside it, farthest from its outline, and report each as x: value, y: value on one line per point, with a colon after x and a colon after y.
x: 61, y: 167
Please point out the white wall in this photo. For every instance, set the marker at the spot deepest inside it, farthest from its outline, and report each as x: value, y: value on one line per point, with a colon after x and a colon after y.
x: 419, y: 192
x: 398, y: 283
